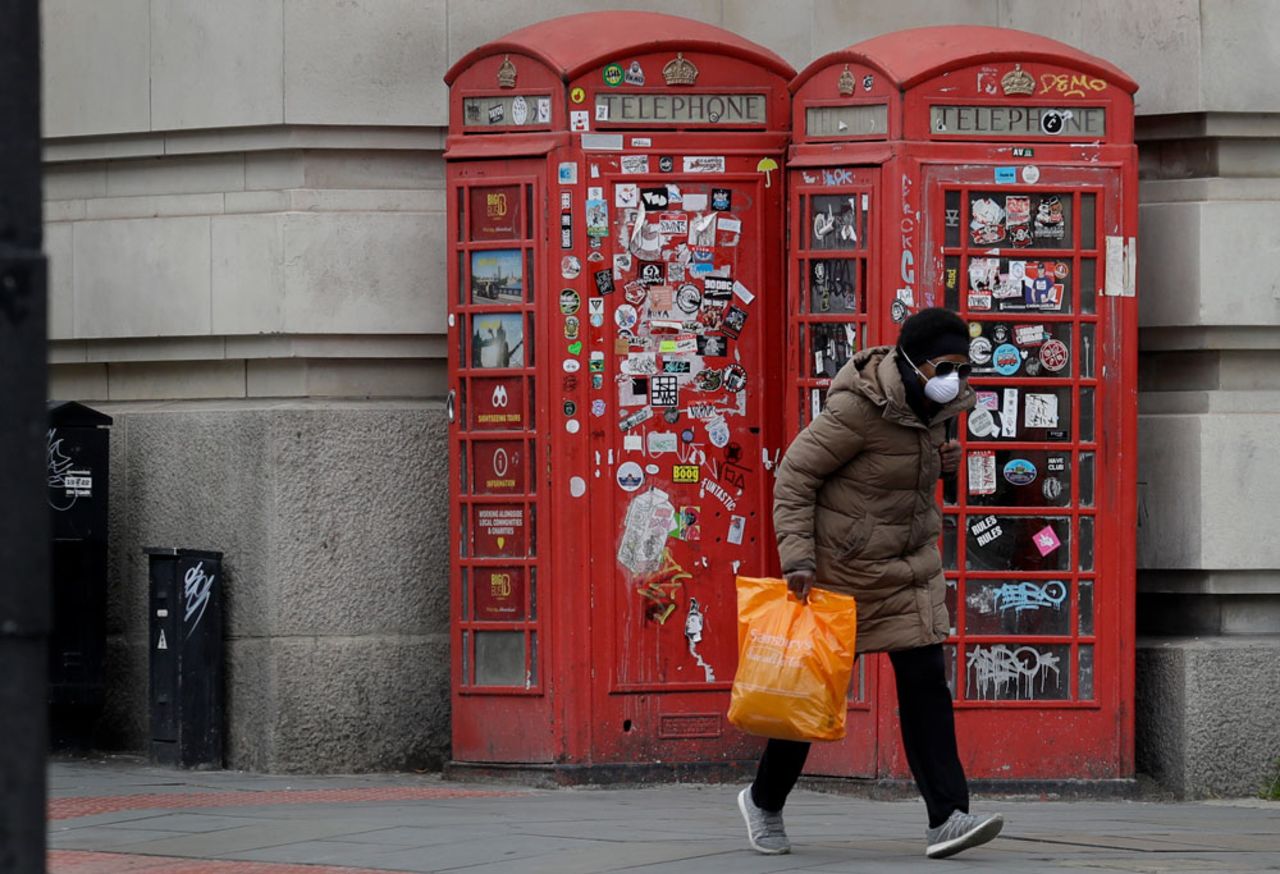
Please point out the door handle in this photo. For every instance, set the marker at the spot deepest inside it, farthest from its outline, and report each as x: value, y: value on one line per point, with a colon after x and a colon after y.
x: 450, y: 405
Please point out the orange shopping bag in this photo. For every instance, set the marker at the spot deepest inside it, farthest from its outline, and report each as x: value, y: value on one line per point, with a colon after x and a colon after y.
x: 794, y: 661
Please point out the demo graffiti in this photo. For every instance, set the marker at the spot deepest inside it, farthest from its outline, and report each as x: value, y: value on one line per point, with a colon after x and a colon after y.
x: 999, y: 672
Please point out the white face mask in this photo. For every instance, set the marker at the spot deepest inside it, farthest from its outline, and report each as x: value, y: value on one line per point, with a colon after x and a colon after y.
x: 939, y: 389
x: 943, y: 389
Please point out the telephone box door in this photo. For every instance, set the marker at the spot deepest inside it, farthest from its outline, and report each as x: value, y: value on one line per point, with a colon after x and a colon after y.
x: 1037, y: 589
x: 688, y: 409
x: 501, y: 711
x: 831, y: 270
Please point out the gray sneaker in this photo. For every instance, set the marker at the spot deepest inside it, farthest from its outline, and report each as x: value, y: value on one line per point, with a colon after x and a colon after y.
x: 960, y: 832
x: 764, y: 829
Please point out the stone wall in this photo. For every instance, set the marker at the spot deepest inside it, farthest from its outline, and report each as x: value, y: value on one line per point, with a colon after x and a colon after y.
x: 333, y: 522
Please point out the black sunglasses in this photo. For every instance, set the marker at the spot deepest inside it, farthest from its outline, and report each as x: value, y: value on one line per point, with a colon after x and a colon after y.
x: 942, y: 368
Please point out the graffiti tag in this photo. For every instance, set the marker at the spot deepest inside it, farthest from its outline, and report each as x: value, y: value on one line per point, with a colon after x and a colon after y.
x: 1010, y: 674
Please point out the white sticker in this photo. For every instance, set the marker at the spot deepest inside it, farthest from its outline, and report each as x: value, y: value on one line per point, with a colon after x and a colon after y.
x: 632, y: 443
x: 568, y: 173
x: 573, y: 426
x: 544, y: 110
x: 572, y: 365
x: 737, y: 525
x: 630, y: 476
x: 982, y: 472
x: 162, y: 644
x: 1041, y: 411
x: 661, y: 442
x: 641, y: 142
x: 981, y: 423
x: 718, y: 432
x: 602, y: 111
x: 1009, y: 414
x: 730, y: 225
x: 650, y: 518
x: 652, y: 469
x: 577, y: 486
x: 703, y: 164
x: 595, y: 192
x: 635, y: 164
x: 579, y: 120
x: 695, y: 202
x: 452, y: 320
x: 1031, y: 174
x: 626, y: 195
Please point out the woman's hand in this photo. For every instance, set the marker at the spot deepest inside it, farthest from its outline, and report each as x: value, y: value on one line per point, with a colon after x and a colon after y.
x: 799, y: 583
x: 949, y: 452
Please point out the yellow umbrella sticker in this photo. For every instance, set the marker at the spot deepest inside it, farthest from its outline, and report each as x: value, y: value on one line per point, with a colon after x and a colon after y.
x: 766, y: 165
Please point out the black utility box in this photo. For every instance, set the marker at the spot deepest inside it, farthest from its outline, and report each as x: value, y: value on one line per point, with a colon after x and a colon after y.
x: 78, y: 458
x: 186, y: 657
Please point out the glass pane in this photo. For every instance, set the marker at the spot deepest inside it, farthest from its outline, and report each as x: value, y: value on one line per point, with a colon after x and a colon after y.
x: 462, y: 287
x: 1017, y: 285
x: 1087, y: 341
x: 464, y: 542
x: 463, y: 574
x: 833, y: 344
x: 835, y: 222
x: 463, y: 469
x: 1030, y: 348
x: 500, y: 658
x: 1017, y: 543
x: 1000, y: 672
x: 499, y: 467
x: 1018, y: 477
x: 532, y: 275
x: 533, y: 404
x: 833, y: 286
x: 533, y: 592
x: 1084, y: 678
x: 1040, y: 220
x: 461, y: 206
x: 533, y: 658
x: 528, y: 210
x: 1088, y: 284
x: 495, y: 213
x: 1088, y: 221
x: 527, y: 349
x: 499, y: 530
x: 950, y: 490
x: 951, y: 282
x: 1084, y: 595
x: 949, y: 542
x: 499, y: 594
x: 949, y: 655
x: 497, y: 340
x: 951, y: 236
x: 466, y: 658
x: 1086, y: 479
x: 1040, y: 414
x: 818, y: 400
x: 1086, y: 543
x: 497, y: 276
x: 1017, y: 607
x: 533, y: 530
x: 532, y: 484
x: 859, y: 686
x: 951, y: 596
x: 1086, y: 415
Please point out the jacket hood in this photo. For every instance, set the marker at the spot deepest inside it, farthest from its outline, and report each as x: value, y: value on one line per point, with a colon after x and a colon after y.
x: 873, y: 373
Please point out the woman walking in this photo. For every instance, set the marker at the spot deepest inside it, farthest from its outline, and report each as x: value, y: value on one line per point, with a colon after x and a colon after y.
x: 854, y: 512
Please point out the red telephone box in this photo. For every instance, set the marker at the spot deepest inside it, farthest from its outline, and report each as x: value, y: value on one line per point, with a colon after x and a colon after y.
x: 992, y: 172
x: 616, y: 298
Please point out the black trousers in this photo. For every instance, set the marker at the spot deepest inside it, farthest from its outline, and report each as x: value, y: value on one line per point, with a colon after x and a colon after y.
x: 928, y: 735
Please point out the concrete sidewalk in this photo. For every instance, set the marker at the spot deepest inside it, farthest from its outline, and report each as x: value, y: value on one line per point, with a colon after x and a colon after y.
x: 119, y: 815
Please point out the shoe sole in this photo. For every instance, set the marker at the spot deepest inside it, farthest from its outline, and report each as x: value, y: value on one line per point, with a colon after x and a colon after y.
x: 742, y: 807
x: 979, y: 835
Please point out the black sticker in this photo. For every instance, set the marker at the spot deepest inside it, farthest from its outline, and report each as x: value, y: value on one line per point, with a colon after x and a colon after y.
x: 653, y: 272
x: 604, y: 281
x: 570, y: 408
x: 721, y: 199
x: 666, y: 163
x: 654, y: 198
x: 717, y: 288
x: 712, y: 346
x: 734, y: 319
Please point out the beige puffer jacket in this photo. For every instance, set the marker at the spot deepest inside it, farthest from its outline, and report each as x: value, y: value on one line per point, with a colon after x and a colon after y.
x: 854, y: 501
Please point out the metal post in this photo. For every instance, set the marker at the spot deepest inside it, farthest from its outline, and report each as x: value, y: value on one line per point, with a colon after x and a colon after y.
x: 24, y: 515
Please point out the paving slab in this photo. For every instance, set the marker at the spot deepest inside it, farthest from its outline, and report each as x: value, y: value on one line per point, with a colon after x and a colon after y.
x: 119, y: 815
